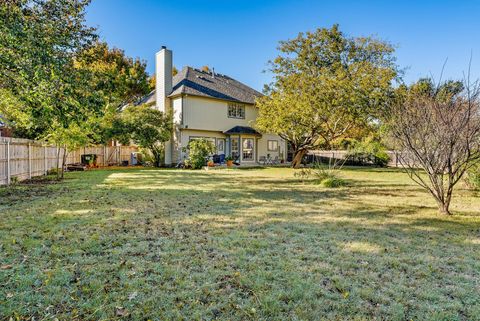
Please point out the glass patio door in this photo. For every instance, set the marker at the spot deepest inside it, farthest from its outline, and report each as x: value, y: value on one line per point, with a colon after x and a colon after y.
x: 248, y: 145
x: 235, y: 148
x: 220, y: 146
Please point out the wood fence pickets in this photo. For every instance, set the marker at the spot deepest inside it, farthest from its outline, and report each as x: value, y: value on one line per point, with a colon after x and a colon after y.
x: 23, y: 159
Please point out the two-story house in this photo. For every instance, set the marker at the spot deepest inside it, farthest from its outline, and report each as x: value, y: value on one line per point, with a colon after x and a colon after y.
x: 212, y: 106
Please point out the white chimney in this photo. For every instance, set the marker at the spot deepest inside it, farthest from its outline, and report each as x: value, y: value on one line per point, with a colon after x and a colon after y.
x: 163, y: 75
x: 163, y: 88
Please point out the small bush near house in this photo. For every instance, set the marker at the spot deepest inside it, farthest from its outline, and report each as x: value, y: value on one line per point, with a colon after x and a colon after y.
x: 368, y: 152
x: 148, y: 159
x: 198, y: 151
x: 473, y: 177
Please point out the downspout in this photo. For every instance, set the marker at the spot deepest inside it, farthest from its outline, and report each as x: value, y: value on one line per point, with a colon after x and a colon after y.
x: 240, y: 149
x: 228, y: 148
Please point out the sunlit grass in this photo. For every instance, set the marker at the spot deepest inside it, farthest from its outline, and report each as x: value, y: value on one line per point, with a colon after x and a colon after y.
x: 237, y: 245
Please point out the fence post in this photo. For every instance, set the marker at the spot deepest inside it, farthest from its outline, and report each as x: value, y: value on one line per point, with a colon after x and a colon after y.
x: 104, y: 155
x: 45, y: 160
x: 29, y: 161
x: 8, y: 163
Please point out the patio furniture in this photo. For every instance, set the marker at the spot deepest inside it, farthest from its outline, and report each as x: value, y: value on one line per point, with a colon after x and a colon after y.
x: 216, y: 159
x: 262, y: 160
x: 268, y: 160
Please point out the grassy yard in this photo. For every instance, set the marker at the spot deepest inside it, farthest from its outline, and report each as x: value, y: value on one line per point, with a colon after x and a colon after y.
x: 236, y: 245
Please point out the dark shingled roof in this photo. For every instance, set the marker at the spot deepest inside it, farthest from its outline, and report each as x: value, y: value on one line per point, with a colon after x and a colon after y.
x: 195, y: 82
x: 150, y: 98
x: 242, y: 130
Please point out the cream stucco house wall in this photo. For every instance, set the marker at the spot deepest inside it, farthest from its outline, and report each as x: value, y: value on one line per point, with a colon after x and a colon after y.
x: 212, y: 106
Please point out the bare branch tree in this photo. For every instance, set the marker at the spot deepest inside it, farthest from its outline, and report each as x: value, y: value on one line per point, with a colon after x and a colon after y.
x: 437, y: 129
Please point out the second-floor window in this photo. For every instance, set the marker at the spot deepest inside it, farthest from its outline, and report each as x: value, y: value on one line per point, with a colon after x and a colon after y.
x: 272, y: 145
x: 236, y: 111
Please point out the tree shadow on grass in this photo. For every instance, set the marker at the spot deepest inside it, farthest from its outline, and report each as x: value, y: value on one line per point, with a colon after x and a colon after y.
x: 221, y: 245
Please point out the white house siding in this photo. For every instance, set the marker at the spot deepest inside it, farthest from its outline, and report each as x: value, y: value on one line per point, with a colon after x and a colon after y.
x: 177, y: 110
x: 203, y: 117
x: 186, y: 134
x: 261, y: 144
x: 212, y: 114
x: 262, y: 147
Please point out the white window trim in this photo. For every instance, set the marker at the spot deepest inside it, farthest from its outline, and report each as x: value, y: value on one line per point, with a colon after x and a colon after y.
x: 268, y: 145
x: 237, y: 107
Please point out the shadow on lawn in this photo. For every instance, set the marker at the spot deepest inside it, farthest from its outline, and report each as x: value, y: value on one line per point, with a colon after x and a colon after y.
x: 230, y: 195
x: 229, y: 240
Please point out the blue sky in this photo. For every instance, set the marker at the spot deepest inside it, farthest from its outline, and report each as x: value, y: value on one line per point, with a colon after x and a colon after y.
x: 238, y: 38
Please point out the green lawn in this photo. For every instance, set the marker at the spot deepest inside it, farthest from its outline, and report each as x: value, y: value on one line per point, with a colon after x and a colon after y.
x: 236, y: 245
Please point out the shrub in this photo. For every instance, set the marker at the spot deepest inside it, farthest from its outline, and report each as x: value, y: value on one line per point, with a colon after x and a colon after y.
x: 53, y: 171
x: 198, y: 151
x: 333, y: 182
x: 368, y: 151
x: 327, y: 176
x: 321, y: 172
x: 147, y: 157
x: 473, y: 177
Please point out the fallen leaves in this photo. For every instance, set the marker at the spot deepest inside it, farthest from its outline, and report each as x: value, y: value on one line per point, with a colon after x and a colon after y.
x: 121, y: 312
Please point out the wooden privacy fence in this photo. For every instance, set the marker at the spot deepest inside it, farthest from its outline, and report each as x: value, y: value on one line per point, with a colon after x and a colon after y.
x: 23, y: 159
x: 106, y: 155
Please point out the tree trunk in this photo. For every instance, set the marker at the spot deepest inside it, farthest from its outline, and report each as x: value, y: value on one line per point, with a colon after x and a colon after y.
x: 297, y: 159
x: 64, y: 160
x: 444, y: 207
x: 58, y: 163
x: 157, y: 157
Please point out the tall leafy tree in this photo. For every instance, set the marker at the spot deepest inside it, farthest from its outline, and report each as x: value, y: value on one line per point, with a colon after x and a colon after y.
x: 57, y: 82
x: 325, y: 85
x: 39, y: 40
x: 118, y: 78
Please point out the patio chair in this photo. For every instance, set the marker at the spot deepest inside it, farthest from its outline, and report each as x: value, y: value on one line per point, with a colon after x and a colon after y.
x: 262, y: 160
x: 276, y: 160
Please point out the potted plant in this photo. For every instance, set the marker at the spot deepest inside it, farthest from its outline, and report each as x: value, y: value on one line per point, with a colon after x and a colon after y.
x: 210, y: 163
x: 229, y: 160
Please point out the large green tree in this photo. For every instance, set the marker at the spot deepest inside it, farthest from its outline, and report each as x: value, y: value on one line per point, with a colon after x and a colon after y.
x: 39, y: 40
x: 325, y: 85
x: 114, y: 81
x: 57, y: 81
x: 118, y: 78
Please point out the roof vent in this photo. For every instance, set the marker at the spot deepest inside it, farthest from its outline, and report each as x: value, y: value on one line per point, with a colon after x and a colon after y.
x: 164, y: 47
x: 213, y: 72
